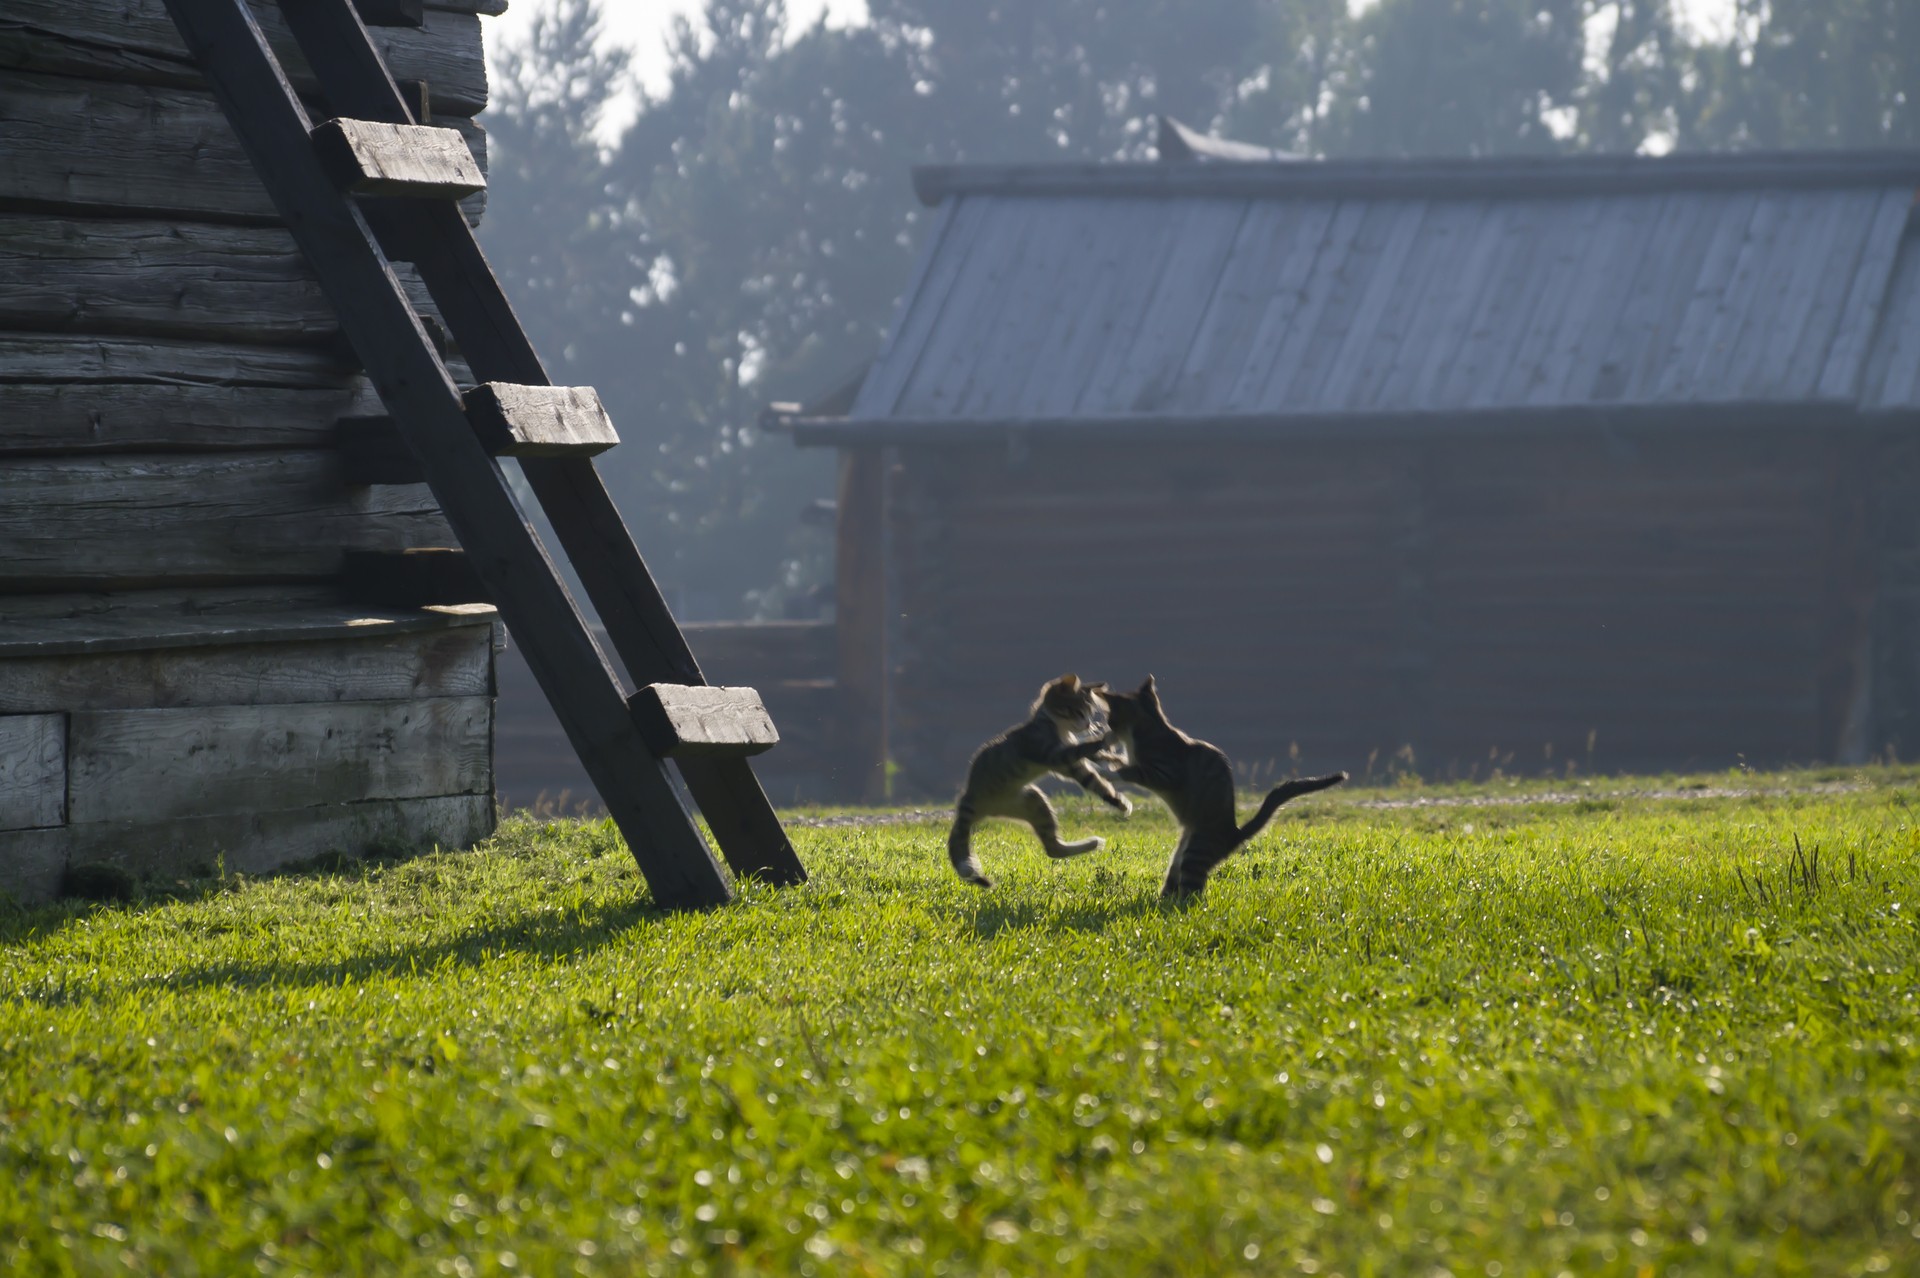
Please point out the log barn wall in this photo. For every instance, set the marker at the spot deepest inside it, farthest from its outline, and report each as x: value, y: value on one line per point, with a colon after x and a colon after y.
x: 185, y: 673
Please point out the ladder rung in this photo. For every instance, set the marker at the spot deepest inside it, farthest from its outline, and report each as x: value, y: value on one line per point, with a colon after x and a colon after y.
x: 678, y: 721
x: 375, y: 452
x: 366, y: 157
x: 418, y: 578
x: 392, y: 13
x: 540, y: 421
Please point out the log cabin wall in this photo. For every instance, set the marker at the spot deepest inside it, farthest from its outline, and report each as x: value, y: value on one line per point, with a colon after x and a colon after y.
x: 1607, y: 602
x: 185, y: 673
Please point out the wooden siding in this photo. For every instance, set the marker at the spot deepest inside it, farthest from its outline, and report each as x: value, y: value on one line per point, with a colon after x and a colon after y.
x: 1327, y: 606
x: 1061, y: 305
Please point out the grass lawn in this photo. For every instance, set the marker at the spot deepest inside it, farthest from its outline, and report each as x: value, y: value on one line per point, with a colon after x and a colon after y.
x: 1620, y: 1034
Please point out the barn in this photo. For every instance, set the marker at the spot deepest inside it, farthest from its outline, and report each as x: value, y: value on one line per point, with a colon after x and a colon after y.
x: 1430, y: 466
x: 196, y: 664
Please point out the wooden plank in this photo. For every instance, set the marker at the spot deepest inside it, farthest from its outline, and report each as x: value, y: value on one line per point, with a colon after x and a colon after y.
x: 94, y: 146
x: 942, y: 257
x: 165, y: 279
x: 1519, y: 290
x: 370, y: 664
x: 1410, y: 327
x: 1816, y: 309
x: 540, y: 421
x: 135, y: 41
x: 1778, y: 308
x: 367, y: 157
x: 1317, y: 294
x: 1677, y: 242
x: 1670, y: 376
x: 1454, y: 327
x: 679, y: 866
x: 141, y: 520
x: 417, y: 577
x: 107, y: 417
x: 1717, y: 348
x: 158, y: 765
x: 681, y: 721
x: 1391, y: 287
x: 1840, y: 375
x: 31, y: 862
x: 1017, y: 325
x: 33, y: 771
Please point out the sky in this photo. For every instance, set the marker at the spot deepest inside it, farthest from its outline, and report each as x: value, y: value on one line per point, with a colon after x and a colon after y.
x: 641, y: 25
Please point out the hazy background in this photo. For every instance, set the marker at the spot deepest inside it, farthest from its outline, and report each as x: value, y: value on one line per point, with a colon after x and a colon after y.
x: 702, y: 207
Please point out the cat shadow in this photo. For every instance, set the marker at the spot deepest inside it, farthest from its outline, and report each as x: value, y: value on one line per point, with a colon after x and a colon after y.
x: 993, y: 916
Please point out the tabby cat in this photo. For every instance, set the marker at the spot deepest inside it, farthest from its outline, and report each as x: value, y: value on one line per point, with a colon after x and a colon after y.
x: 1196, y: 781
x: 1000, y: 778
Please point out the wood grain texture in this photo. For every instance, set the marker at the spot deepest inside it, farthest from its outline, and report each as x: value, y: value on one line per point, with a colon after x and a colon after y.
x: 135, y: 40
x: 166, y: 279
x: 141, y: 520
x: 89, y: 145
x: 157, y: 765
x: 679, y: 721
x: 258, y: 842
x: 56, y: 358
x: 540, y: 421
x: 367, y: 157
x: 281, y: 612
x: 109, y: 417
x: 367, y: 664
x: 33, y: 770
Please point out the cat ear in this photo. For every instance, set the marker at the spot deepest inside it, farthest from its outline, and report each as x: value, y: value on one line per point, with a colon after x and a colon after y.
x: 1070, y: 682
x: 1148, y: 691
x: 1095, y: 687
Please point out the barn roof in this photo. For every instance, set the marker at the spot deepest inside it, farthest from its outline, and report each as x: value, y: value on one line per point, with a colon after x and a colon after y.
x: 1336, y: 294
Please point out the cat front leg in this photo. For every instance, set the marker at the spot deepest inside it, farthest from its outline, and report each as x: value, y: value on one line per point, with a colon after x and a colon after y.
x: 1089, y: 779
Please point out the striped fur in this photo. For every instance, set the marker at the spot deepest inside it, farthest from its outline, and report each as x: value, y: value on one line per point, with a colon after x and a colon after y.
x: 1196, y: 781
x: 1000, y: 778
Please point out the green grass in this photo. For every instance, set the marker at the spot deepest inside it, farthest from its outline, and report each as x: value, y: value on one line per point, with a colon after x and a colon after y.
x: 1614, y: 1035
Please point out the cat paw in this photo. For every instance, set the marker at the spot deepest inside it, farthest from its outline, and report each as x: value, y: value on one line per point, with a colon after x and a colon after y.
x: 1122, y: 804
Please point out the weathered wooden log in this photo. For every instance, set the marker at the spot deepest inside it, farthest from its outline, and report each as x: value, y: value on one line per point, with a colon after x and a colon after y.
x: 158, y: 765
x: 57, y: 357
x: 138, y: 148
x: 166, y: 279
x: 374, y: 663
x: 135, y: 41
x: 31, y: 861
x: 78, y: 624
x: 367, y: 157
x: 98, y: 522
x: 112, y: 417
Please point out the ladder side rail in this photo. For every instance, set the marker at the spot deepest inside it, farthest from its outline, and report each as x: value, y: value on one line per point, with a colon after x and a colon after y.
x: 435, y: 237
x: 426, y: 404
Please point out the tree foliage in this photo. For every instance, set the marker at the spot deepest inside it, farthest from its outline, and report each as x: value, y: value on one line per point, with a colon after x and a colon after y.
x: 744, y: 239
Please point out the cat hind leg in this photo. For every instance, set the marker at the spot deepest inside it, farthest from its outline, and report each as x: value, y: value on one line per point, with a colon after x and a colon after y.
x: 1038, y: 813
x: 960, y: 848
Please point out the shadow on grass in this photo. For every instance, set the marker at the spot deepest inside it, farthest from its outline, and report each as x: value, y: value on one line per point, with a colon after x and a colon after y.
x: 995, y: 917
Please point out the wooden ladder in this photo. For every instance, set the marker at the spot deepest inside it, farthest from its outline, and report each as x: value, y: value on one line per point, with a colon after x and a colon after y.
x: 370, y: 185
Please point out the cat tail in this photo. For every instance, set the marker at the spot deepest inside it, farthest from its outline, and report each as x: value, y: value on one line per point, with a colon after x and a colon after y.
x: 1281, y: 794
x: 960, y: 846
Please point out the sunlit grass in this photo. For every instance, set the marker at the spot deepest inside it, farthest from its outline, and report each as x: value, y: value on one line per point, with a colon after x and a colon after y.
x: 1615, y: 1034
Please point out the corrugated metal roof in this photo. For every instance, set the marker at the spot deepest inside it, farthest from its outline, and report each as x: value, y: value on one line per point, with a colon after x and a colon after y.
x: 1307, y: 289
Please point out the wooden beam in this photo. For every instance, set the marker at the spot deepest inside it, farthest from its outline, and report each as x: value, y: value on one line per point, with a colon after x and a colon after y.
x: 412, y: 578
x: 679, y: 867
x: 540, y: 421
x: 375, y: 452
x: 148, y: 278
x: 99, y: 147
x: 583, y: 514
x: 682, y: 722
x: 367, y: 157
x: 108, y: 522
x: 121, y: 417
x: 134, y: 41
